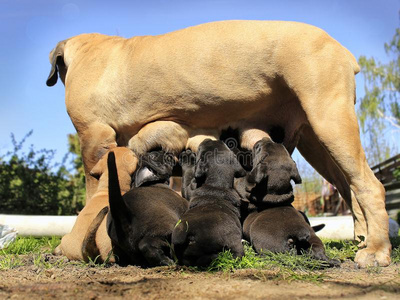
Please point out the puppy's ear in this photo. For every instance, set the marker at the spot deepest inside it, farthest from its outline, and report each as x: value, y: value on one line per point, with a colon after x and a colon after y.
x: 295, y: 176
x: 239, y: 171
x: 304, y: 216
x: 257, y: 175
x: 200, y: 170
x: 144, y: 175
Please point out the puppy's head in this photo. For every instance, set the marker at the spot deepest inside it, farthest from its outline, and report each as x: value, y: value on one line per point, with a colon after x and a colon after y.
x: 272, y: 173
x: 126, y: 162
x: 154, y: 167
x: 215, y: 158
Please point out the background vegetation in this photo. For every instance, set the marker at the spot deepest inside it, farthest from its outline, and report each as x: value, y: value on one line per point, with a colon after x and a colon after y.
x: 31, y: 183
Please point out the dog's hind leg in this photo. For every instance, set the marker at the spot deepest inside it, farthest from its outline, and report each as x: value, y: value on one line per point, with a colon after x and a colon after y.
x: 312, y: 150
x: 154, y: 250
x: 329, y: 109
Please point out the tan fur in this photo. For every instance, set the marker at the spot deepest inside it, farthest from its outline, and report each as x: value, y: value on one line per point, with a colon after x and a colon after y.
x: 71, y: 243
x: 249, y: 75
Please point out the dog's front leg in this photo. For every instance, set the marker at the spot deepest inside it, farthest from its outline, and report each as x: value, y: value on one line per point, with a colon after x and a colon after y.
x: 95, y: 140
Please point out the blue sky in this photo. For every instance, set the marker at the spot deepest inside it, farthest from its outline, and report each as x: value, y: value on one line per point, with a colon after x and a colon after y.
x: 30, y: 29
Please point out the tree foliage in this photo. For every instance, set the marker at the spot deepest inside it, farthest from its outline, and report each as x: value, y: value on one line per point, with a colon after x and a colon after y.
x: 30, y: 183
x: 379, y: 109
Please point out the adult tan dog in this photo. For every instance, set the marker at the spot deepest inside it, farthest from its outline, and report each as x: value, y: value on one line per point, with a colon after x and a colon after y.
x: 249, y: 75
x: 72, y: 243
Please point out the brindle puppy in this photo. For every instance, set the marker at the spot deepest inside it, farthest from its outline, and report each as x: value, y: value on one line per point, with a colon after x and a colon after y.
x: 140, y: 223
x: 270, y: 179
x: 212, y: 223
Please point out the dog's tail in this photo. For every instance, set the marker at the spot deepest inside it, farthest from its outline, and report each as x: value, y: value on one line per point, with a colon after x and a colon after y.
x: 114, y: 190
x: 316, y: 228
x: 179, y: 239
x: 119, y: 211
x: 90, y: 251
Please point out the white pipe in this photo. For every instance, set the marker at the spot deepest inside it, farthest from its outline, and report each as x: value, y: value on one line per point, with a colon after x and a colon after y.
x: 39, y: 225
x: 341, y: 227
x: 335, y: 227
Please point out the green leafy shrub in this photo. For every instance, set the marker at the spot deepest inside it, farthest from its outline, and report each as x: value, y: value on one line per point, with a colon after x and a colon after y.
x: 30, y: 183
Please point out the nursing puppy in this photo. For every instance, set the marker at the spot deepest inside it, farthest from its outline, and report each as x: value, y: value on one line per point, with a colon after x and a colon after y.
x: 270, y: 179
x: 212, y: 223
x: 88, y: 238
x: 140, y: 222
x: 280, y: 229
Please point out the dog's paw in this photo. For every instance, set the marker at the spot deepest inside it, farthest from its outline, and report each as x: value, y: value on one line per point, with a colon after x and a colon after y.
x: 369, y: 258
x: 57, y: 251
x: 166, y: 261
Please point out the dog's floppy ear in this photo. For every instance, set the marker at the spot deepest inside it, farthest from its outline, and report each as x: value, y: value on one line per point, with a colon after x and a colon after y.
x: 57, y: 61
x: 256, y: 175
x: 295, y: 176
x: 144, y: 175
x: 304, y: 216
x: 239, y: 171
x: 200, y: 169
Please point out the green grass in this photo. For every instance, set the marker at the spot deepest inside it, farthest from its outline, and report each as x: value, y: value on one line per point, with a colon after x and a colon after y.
x: 12, y: 256
x: 288, y: 266
x: 27, y: 245
x: 395, y: 249
x: 291, y: 266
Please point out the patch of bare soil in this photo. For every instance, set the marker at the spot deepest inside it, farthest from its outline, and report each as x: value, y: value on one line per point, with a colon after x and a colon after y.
x: 83, y: 282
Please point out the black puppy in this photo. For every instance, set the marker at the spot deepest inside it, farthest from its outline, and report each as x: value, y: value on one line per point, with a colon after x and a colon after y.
x: 212, y: 223
x: 280, y: 229
x: 140, y: 223
x: 270, y: 178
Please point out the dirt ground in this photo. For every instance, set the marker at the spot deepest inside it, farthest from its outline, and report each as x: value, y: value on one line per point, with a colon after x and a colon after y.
x: 83, y: 282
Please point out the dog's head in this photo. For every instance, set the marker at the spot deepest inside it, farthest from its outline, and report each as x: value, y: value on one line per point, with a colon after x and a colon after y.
x: 126, y: 163
x: 273, y: 171
x: 154, y: 167
x: 216, y: 160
